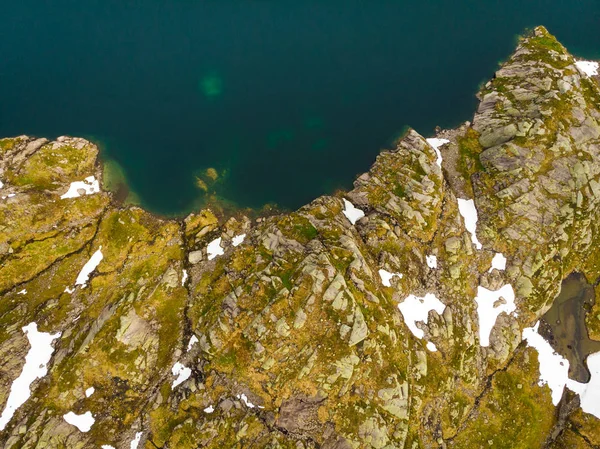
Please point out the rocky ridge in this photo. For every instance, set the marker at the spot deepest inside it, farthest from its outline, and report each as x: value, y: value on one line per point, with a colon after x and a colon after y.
x: 282, y: 332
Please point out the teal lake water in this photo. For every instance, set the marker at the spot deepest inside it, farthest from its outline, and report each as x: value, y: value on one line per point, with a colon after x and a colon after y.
x: 286, y: 100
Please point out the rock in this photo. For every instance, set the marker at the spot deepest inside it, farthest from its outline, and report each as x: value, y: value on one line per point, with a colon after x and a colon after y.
x: 195, y: 256
x: 359, y: 329
x: 298, y: 416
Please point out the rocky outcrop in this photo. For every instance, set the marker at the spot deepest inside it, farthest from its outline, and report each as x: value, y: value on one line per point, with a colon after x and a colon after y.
x: 283, y: 331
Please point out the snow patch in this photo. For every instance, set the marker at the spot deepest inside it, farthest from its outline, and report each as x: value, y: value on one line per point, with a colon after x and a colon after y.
x: 182, y: 372
x: 352, y: 213
x: 238, y: 239
x: 22, y: 292
x: 1, y: 184
x: 431, y: 347
x: 89, y: 266
x: 415, y: 309
x: 136, y: 441
x: 35, y: 367
x: 209, y: 409
x: 107, y: 446
x: 89, y: 185
x: 69, y: 290
x: 469, y: 213
x: 590, y: 68
x: 554, y: 369
x: 83, y: 422
x: 386, y: 277
x: 589, y: 393
x: 249, y: 404
x: 554, y: 372
x: 436, y: 144
x: 184, y: 277
x: 488, y: 311
x: 90, y: 391
x: 498, y: 262
x: 431, y: 261
x: 214, y: 249
x: 192, y: 342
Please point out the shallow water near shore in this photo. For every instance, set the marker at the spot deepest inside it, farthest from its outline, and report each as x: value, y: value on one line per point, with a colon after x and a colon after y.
x: 284, y: 100
x: 564, y: 325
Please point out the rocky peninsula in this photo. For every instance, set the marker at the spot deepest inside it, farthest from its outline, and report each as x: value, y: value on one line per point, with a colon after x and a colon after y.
x: 404, y: 313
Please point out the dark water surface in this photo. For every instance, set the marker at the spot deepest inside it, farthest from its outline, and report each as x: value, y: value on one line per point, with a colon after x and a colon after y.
x: 564, y: 327
x: 287, y: 100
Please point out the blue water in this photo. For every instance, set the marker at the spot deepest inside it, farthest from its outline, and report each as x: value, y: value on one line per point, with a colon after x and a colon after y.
x: 287, y: 100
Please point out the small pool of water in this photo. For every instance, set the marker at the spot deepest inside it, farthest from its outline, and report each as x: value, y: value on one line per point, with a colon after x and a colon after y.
x: 563, y: 326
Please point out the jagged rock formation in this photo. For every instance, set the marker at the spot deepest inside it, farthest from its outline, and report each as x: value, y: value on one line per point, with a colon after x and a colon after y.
x: 290, y: 338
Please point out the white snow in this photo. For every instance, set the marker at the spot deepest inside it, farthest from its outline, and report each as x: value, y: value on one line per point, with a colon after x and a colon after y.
x: 590, y: 68
x: 192, y: 342
x: 1, y: 184
x: 386, y: 277
x: 182, y: 372
x: 214, y: 249
x: 22, y: 292
x: 488, y: 311
x: 238, y: 239
x: 498, y: 262
x: 469, y: 214
x: 184, y: 277
x: 415, y: 309
x: 431, y: 261
x: 431, y: 347
x: 136, y: 441
x: 69, y: 290
x: 35, y: 368
x: 352, y: 213
x: 209, y: 409
x: 589, y: 393
x: 89, y: 185
x: 90, y: 391
x: 107, y: 446
x: 249, y: 404
x: 83, y: 422
x: 89, y: 266
x: 554, y: 369
x: 436, y: 144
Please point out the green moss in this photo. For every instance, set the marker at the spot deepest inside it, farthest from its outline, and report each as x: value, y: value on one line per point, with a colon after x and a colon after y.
x: 54, y: 164
x: 547, y: 42
x: 586, y: 426
x: 286, y: 278
x: 297, y: 227
x: 514, y: 411
x: 469, y: 150
x: 7, y: 144
x: 400, y: 191
x: 36, y: 256
x: 547, y: 49
x: 306, y: 230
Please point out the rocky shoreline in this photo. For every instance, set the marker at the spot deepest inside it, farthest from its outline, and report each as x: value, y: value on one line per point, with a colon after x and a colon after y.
x: 391, y: 316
